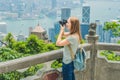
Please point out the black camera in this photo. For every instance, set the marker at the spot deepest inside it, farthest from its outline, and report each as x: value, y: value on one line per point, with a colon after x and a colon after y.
x: 63, y: 22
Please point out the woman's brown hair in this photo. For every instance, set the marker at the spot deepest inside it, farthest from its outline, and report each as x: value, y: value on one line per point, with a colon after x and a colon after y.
x: 75, y: 27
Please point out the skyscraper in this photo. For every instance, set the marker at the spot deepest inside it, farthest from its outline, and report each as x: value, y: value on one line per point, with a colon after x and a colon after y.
x: 56, y: 27
x: 52, y: 34
x: 2, y: 35
x: 81, y: 2
x: 21, y: 37
x: 65, y: 13
x: 85, y: 13
x: 115, y: 39
x: 3, y: 27
x: 107, y: 37
x: 84, y: 29
x: 53, y: 4
x: 54, y: 31
x: 99, y: 30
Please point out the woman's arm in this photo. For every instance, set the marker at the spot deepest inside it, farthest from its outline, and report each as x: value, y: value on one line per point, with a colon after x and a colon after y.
x: 66, y: 34
x: 59, y: 41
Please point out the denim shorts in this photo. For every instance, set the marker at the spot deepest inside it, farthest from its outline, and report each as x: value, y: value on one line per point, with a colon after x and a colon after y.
x: 68, y: 71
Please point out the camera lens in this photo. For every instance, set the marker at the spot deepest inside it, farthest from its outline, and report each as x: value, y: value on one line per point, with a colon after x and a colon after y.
x: 63, y: 22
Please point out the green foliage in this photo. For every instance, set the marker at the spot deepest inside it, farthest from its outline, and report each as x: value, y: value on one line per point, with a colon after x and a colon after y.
x: 51, y: 47
x: 34, y: 44
x: 118, y: 42
x: 9, y: 39
x: 114, y: 27
x: 57, y: 64
x: 32, y: 70
x: 110, y: 55
x: 8, y: 54
x: 20, y: 47
x: 82, y: 41
x: 17, y: 49
x: 15, y: 75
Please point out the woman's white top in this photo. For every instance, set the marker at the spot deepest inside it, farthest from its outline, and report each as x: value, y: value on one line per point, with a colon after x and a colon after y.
x: 66, y: 52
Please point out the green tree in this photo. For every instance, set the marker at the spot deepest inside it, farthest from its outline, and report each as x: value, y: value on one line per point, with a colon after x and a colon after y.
x: 14, y: 75
x: 34, y: 44
x: 20, y: 47
x: 118, y: 42
x: 114, y: 27
x: 9, y: 39
x: 8, y: 54
x: 51, y: 46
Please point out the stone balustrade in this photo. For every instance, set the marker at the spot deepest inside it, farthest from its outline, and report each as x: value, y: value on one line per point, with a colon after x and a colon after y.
x: 97, y: 67
x: 32, y: 60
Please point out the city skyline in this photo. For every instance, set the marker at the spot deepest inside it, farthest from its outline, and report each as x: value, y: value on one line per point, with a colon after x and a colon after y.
x: 46, y: 16
x: 36, y: 57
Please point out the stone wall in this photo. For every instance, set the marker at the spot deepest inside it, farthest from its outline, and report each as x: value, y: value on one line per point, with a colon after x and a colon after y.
x: 104, y: 70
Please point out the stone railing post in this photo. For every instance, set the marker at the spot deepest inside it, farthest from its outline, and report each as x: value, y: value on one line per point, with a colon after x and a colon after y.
x: 92, y: 39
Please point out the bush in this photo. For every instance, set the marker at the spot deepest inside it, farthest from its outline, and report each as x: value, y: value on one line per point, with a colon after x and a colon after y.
x: 110, y: 55
x: 57, y: 64
x: 15, y: 49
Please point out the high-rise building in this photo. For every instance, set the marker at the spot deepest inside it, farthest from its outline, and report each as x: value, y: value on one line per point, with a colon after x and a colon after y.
x: 99, y: 30
x: 106, y: 37
x: 85, y: 13
x: 115, y: 39
x: 56, y: 27
x: 21, y: 37
x: 52, y: 34
x: 17, y: 6
x: 65, y: 13
x: 84, y: 29
x: 2, y: 35
x: 81, y: 2
x: 30, y: 30
x: 3, y: 27
x: 53, y: 4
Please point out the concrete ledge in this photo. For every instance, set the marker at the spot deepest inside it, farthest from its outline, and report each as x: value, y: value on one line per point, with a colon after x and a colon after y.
x: 108, y: 46
x: 28, y: 61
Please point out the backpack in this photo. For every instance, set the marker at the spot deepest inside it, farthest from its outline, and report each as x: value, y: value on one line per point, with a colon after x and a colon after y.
x: 78, y: 58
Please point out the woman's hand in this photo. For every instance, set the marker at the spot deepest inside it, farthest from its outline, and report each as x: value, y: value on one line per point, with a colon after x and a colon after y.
x: 62, y: 30
x: 59, y: 41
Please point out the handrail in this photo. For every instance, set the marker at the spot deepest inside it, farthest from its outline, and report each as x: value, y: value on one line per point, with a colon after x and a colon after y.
x: 108, y: 46
x: 28, y: 61
x: 24, y: 62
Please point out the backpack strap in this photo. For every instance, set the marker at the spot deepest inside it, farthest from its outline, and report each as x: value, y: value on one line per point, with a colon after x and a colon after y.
x: 71, y: 52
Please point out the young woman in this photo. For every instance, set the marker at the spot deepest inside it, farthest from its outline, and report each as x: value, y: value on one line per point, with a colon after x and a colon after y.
x: 72, y: 38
